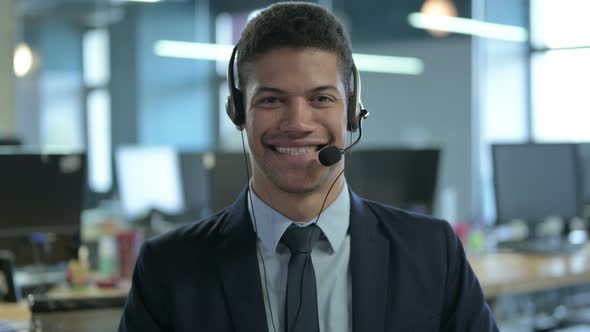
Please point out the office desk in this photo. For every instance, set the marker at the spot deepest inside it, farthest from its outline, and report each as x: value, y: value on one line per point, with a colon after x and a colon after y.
x: 89, y: 320
x: 99, y: 320
x: 508, y: 273
x: 15, y: 311
x: 500, y: 273
x: 64, y: 293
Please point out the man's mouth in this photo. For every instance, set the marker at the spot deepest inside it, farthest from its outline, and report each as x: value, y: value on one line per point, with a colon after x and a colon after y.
x: 298, y: 150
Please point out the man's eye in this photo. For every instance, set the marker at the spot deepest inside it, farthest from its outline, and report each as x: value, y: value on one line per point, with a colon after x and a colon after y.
x: 323, y: 99
x: 270, y: 100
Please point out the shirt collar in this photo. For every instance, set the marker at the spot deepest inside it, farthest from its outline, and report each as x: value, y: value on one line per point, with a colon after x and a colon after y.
x: 271, y: 224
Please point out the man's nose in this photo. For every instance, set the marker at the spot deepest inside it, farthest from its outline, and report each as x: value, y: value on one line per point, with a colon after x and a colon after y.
x: 297, y: 116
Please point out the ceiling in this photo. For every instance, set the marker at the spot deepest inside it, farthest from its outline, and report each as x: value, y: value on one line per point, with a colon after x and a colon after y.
x: 366, y: 20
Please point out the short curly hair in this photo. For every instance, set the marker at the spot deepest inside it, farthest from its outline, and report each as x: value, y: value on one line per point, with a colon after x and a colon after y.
x: 297, y: 25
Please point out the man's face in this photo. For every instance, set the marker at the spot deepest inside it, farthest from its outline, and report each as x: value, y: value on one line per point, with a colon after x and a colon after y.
x: 296, y: 105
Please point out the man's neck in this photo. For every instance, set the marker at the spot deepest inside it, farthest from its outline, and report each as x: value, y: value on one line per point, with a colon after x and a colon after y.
x: 299, y: 207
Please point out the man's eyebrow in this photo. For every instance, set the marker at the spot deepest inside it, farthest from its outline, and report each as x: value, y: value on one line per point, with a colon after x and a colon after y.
x: 264, y: 89
x: 324, y: 88
x: 268, y: 89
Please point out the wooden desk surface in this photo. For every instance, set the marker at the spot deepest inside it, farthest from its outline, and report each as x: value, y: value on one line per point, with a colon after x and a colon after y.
x: 15, y: 311
x: 96, y: 320
x: 65, y: 293
x: 506, y: 273
x: 500, y: 273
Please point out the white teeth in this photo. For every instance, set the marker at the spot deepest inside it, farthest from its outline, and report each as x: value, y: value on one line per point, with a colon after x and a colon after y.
x: 299, y: 150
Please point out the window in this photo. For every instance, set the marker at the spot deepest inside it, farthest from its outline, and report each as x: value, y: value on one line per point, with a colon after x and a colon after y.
x: 561, y: 105
x: 98, y: 102
x: 560, y: 70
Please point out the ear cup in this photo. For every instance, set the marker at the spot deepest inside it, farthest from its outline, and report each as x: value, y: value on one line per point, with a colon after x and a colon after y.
x: 355, y: 105
x: 234, y: 107
x: 351, y: 124
x: 229, y: 109
x: 234, y: 103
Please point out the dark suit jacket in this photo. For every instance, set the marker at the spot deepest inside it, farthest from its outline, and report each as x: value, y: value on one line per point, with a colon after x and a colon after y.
x: 409, y: 273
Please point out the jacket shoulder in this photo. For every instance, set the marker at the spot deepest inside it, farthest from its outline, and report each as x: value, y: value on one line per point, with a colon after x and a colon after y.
x: 417, y: 233
x: 395, y: 217
x: 204, y: 233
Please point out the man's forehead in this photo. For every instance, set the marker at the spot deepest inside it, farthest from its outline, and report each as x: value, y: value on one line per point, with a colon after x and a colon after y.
x: 290, y: 67
x: 278, y: 53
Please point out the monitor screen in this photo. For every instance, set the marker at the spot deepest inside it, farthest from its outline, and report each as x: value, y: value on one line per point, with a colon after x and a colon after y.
x: 228, y: 177
x: 149, y: 178
x: 195, y: 185
x: 10, y: 142
x: 584, y: 155
x: 404, y: 178
x: 535, y: 181
x: 400, y: 177
x: 41, y: 192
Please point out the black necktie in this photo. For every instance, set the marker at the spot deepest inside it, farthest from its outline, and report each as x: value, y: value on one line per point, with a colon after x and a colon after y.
x: 301, y: 312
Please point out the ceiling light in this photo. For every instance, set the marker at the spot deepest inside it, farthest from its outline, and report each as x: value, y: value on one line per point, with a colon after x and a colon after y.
x: 219, y: 52
x: 190, y: 50
x: 23, y: 60
x: 388, y: 64
x: 440, y: 8
x: 468, y: 27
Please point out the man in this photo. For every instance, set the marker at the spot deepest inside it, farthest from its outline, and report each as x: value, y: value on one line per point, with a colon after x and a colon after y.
x: 299, y: 251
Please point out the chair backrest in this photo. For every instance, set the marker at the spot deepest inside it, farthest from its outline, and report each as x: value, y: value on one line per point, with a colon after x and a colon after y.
x: 12, y: 293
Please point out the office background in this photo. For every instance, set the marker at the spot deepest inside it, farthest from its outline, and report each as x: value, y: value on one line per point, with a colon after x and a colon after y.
x: 96, y: 76
x: 96, y: 82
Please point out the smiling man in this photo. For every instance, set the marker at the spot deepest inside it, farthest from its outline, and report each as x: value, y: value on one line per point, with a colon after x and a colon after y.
x: 297, y: 105
x: 298, y: 250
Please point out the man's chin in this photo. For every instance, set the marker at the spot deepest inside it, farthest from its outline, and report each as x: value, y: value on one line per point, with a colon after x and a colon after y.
x: 297, y: 180
x: 296, y: 188
x: 299, y: 184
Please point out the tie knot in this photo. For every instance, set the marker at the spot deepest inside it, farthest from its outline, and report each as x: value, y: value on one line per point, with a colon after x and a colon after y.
x: 300, y: 240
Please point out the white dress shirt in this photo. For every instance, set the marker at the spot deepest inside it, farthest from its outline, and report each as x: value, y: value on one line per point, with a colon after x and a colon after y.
x: 330, y: 257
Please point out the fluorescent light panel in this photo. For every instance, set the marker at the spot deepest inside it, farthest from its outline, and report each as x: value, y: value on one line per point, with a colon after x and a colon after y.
x: 190, y: 50
x: 468, y: 27
x: 388, y: 64
x: 99, y: 140
x: 95, y: 57
x: 220, y: 52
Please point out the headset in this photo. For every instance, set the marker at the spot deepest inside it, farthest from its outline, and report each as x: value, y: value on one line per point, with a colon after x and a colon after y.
x: 234, y: 105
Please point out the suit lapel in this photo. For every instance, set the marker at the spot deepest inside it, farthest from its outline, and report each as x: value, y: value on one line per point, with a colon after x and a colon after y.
x: 238, y: 267
x: 369, y: 262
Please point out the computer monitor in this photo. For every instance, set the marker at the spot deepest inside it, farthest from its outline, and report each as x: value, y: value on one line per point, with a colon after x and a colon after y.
x: 535, y: 181
x: 228, y: 177
x: 401, y: 177
x: 41, y: 197
x: 41, y: 192
x: 149, y: 178
x: 195, y: 185
x: 584, y: 158
x: 10, y: 142
x: 405, y: 178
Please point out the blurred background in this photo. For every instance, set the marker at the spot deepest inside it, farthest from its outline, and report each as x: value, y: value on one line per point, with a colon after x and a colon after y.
x: 113, y: 129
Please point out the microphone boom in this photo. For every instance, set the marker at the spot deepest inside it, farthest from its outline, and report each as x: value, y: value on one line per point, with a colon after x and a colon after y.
x: 330, y: 155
